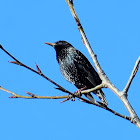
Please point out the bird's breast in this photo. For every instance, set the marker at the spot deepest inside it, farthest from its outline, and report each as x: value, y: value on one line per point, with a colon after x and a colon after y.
x: 68, y: 69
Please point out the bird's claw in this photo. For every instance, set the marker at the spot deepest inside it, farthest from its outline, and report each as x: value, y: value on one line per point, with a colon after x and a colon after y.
x: 76, y: 93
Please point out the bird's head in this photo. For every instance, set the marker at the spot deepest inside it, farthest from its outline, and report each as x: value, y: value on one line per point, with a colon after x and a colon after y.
x: 59, y: 45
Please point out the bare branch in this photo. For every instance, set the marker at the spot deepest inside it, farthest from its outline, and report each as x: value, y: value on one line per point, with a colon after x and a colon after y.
x: 32, y: 96
x: 38, y: 69
x: 17, y: 62
x: 92, y: 89
x: 37, y: 72
x: 135, y: 69
x: 134, y: 118
x: 101, y: 73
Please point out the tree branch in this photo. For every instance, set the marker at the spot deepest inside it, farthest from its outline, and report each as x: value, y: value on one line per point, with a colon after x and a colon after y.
x: 33, y: 96
x: 17, y: 62
x: 105, y: 80
x: 135, y: 69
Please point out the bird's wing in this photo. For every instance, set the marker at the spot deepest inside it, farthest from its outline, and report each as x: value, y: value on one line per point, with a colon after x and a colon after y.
x: 85, y: 67
x: 87, y: 73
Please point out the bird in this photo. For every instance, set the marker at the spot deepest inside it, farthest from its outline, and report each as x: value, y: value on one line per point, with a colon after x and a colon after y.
x: 77, y: 69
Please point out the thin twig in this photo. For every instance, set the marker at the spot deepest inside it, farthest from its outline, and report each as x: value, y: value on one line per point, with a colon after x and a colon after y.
x: 134, y: 71
x: 37, y: 72
x: 92, y: 89
x: 33, y: 96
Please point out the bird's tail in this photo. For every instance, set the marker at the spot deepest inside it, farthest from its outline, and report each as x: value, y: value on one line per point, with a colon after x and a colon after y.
x: 99, y: 93
x: 90, y: 97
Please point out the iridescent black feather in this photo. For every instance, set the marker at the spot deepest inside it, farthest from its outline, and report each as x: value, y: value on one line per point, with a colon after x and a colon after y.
x: 76, y: 69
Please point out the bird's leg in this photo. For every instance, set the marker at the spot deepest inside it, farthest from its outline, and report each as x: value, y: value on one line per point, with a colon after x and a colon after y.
x: 77, y: 93
x: 89, y: 96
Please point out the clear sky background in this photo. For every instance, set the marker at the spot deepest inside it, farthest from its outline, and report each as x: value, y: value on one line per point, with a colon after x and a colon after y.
x: 113, y: 30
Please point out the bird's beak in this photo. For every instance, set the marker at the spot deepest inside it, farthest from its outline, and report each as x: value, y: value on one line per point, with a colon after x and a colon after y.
x: 51, y: 44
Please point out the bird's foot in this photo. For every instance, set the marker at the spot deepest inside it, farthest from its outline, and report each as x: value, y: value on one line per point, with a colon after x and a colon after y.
x: 78, y: 92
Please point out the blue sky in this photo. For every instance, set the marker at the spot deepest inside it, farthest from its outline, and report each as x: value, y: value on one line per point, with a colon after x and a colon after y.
x: 113, y: 30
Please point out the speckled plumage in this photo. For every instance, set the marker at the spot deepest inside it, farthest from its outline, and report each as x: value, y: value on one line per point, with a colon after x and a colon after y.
x: 76, y: 68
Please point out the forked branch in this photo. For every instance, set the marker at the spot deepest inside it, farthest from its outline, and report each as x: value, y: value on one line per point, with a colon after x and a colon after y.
x: 105, y: 80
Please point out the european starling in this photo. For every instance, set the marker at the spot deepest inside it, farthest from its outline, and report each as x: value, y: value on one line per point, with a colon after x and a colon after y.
x: 76, y: 69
